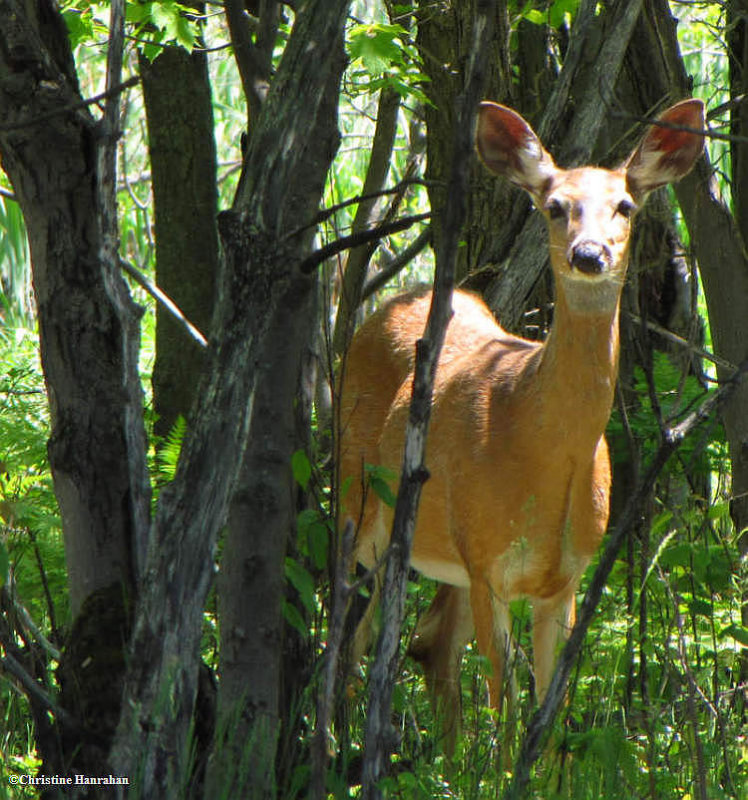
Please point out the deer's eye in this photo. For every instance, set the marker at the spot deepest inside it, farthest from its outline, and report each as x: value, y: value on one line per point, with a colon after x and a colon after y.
x: 626, y: 208
x: 555, y: 209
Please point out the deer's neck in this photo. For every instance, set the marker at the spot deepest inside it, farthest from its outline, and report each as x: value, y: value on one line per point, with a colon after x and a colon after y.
x: 579, y: 367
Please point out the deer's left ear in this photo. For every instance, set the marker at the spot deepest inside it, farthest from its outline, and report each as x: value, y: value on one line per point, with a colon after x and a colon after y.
x: 666, y: 153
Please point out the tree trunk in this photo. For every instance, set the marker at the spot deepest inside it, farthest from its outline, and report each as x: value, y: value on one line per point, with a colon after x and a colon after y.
x: 379, y: 740
x: 181, y: 144
x: 88, y: 323
x: 182, y: 151
x: 737, y: 50
x: 737, y: 27
x: 265, y: 238
x: 89, y: 332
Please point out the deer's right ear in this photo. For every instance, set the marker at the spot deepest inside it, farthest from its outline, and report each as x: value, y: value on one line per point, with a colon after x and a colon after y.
x: 509, y: 147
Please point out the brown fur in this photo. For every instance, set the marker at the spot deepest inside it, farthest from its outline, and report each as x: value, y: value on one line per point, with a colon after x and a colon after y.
x: 517, y: 502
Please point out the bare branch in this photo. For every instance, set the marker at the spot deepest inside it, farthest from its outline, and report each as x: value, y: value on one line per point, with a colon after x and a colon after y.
x: 359, y: 257
x: 332, y: 655
x: 161, y: 297
x: 355, y: 239
x: 398, y: 263
x: 109, y: 93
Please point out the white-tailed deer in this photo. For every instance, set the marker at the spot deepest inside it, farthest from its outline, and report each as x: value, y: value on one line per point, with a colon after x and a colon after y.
x: 517, y: 501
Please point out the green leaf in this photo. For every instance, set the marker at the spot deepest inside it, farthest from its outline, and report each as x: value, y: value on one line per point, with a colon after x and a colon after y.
x: 345, y: 486
x: 379, y: 479
x: 701, y: 608
x: 383, y: 491
x: 559, y: 9
x: 677, y: 555
x: 168, y: 454
x: 719, y: 510
x: 80, y: 25
x: 301, y: 579
x: 169, y: 18
x: 377, y: 46
x: 313, y: 536
x: 293, y: 617
x: 301, y: 468
x: 536, y: 16
x: 661, y: 523
x: 318, y: 540
x: 185, y: 33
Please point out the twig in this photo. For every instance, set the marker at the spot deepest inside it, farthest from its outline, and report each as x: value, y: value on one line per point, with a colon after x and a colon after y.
x: 310, y: 263
x: 681, y: 342
x: 330, y: 211
x: 691, y: 691
x: 542, y: 721
x: 706, y: 132
x: 252, y: 71
x: 97, y: 98
x: 161, y: 297
x: 45, y: 587
x: 398, y: 263
x: 29, y: 625
x: 35, y: 693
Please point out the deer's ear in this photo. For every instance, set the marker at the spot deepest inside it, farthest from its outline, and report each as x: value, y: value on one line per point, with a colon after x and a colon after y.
x: 666, y: 154
x: 509, y: 147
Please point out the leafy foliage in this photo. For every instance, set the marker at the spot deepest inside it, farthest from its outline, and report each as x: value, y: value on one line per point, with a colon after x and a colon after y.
x: 163, y: 22
x: 384, y: 57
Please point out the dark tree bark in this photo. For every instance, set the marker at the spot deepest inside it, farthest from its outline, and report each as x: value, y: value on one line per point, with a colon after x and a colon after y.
x: 737, y: 27
x: 254, y: 685
x: 737, y: 51
x: 252, y: 578
x: 181, y: 144
x: 88, y: 323
x: 61, y: 164
x: 264, y: 241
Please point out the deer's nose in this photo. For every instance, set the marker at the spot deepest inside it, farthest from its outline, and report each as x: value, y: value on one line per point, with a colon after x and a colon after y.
x: 591, y: 258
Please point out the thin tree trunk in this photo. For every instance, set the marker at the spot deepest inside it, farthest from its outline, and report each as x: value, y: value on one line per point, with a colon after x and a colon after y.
x: 737, y: 27
x: 358, y: 259
x: 379, y: 735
